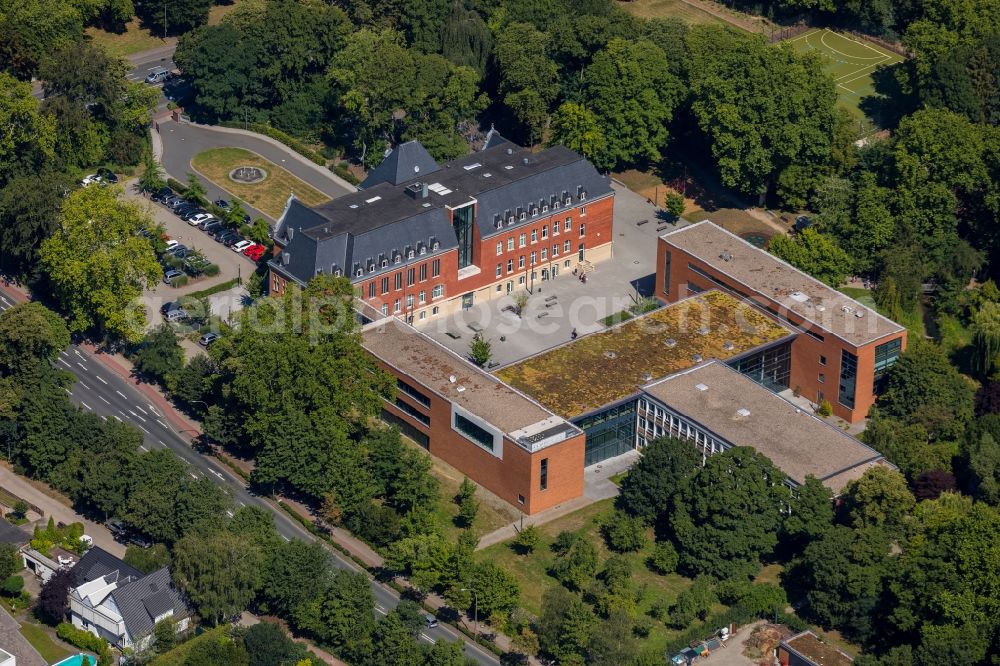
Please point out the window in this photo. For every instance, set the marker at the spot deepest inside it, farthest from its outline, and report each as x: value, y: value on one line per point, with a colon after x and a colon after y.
x: 477, y: 434
x: 462, y: 222
x: 411, y: 277
x: 569, y: 224
x: 545, y: 253
x: 510, y: 244
x: 543, y: 476
x: 423, y: 296
x: 522, y: 240
x: 567, y: 248
x: 436, y: 268
x: 385, y: 285
x: 385, y: 309
x: 371, y: 289
x: 520, y: 261
x: 666, y: 273
x: 583, y: 229
x: 533, y: 255
x: 583, y: 211
x: 499, y: 287
x: 520, y: 280
x: 555, y: 228
x: 822, y: 359
x: 499, y: 248
x: 395, y: 306
x: 412, y: 411
x: 438, y: 291
x: 499, y: 270
x: 510, y: 265
x: 397, y: 281
x: 409, y: 302
x: 405, y: 387
x: 534, y: 235
x: 423, y: 314
x: 520, y: 499
x: 886, y: 355
x: 822, y: 378
x: 555, y: 250
x: 848, y: 377
x: 435, y: 310
x: 545, y: 232
x: 423, y: 272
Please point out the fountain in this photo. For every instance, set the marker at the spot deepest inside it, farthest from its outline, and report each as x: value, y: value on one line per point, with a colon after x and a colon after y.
x: 248, y: 174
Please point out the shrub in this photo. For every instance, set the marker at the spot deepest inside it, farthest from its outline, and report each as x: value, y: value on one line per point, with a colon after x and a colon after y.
x: 624, y: 533
x: 176, y: 185
x: 664, y: 558
x: 85, y: 641
x: 179, y: 281
x: 527, y: 540
x: 280, y: 136
x: 211, y: 270
x: 344, y: 173
x: 12, y: 586
x: 825, y: 408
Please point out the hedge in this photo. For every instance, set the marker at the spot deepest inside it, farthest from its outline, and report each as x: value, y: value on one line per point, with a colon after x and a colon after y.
x: 278, y: 135
x: 345, y: 173
x: 177, y: 186
x: 85, y: 641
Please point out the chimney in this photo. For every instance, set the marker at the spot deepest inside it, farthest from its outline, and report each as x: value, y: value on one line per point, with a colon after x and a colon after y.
x: 524, y: 161
x: 423, y: 191
x: 285, y: 258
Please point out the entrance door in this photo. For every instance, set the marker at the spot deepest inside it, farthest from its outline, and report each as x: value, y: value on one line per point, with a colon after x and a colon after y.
x: 545, y: 274
x: 510, y: 286
x: 581, y: 251
x: 467, y: 300
x: 555, y: 270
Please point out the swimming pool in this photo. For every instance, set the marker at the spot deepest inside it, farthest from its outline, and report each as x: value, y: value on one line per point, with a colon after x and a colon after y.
x: 77, y: 660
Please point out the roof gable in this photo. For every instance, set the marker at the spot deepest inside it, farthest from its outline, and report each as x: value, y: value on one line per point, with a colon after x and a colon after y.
x: 142, y: 601
x: 404, y: 162
x: 98, y: 562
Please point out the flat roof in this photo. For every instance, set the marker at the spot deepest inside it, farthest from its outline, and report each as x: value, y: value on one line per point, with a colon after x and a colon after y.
x: 818, y: 303
x: 455, y: 378
x: 808, y: 645
x: 798, y: 442
x: 604, y: 367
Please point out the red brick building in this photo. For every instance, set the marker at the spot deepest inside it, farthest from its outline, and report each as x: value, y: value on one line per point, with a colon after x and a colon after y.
x: 421, y: 240
x: 844, y: 347
x: 497, y: 436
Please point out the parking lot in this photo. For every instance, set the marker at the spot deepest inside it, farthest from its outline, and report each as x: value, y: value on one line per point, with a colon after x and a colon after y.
x: 231, y: 264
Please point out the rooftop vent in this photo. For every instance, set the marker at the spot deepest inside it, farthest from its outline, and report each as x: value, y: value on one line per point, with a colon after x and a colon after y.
x: 704, y: 330
x: 524, y: 161
x: 373, y: 200
x: 821, y: 308
x: 510, y: 151
x: 846, y: 309
x: 487, y: 174
x: 743, y: 411
x: 799, y: 297
x: 353, y: 206
x: 470, y: 167
x: 646, y: 377
x: 509, y: 167
x: 697, y: 358
x: 728, y: 346
x: 416, y: 168
x: 670, y: 342
x: 859, y: 314
x: 452, y: 378
x: 610, y: 354
x: 460, y: 389
x: 701, y: 387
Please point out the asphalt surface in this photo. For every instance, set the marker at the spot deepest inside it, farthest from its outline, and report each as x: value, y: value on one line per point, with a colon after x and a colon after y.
x: 100, y: 390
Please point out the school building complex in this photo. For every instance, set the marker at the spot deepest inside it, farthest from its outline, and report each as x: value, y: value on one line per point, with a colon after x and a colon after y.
x: 735, y: 328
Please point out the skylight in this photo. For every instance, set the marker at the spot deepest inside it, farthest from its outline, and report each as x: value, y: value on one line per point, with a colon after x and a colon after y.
x: 470, y: 167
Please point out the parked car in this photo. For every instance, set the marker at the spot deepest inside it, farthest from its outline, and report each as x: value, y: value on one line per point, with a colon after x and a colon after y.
x: 430, y: 621
x: 158, y: 75
x: 212, y: 226
x: 180, y: 314
x: 184, y: 211
x: 802, y: 222
x: 208, y: 339
x: 200, y: 219
x: 232, y: 240
x: 177, y: 202
x: 239, y: 246
x: 161, y: 194
x: 223, y: 204
x: 172, y: 201
x: 168, y: 306
x: 90, y: 180
x: 228, y: 238
x: 107, y: 175
x: 170, y: 275
x: 182, y: 253
x: 171, y: 244
x: 173, y: 250
x: 256, y: 253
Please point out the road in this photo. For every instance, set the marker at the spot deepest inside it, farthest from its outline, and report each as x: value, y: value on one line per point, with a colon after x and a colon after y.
x: 100, y: 390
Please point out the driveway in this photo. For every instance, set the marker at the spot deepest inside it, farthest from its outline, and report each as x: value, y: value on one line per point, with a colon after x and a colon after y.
x: 182, y: 141
x: 23, y: 488
x: 15, y: 643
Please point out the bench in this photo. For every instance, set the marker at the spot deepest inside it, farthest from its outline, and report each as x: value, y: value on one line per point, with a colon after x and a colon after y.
x: 476, y: 328
x: 551, y: 298
x: 662, y: 227
x: 641, y: 222
x: 492, y: 364
x: 543, y: 314
x: 453, y: 336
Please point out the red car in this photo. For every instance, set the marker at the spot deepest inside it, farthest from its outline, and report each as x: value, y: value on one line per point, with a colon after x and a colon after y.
x: 255, y: 252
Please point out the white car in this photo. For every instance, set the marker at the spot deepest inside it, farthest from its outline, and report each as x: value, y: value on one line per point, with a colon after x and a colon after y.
x: 171, y: 244
x: 242, y: 245
x: 90, y: 180
x: 201, y: 219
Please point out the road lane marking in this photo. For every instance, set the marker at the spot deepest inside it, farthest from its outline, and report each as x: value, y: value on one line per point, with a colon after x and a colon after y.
x: 142, y: 410
x: 136, y: 416
x: 106, y: 401
x: 185, y: 461
x: 121, y: 394
x: 160, y: 442
x: 68, y: 392
x: 162, y: 423
x: 117, y: 419
x: 193, y: 475
x: 65, y: 363
x: 217, y: 474
x: 77, y: 352
x: 81, y: 365
x: 152, y: 409
x: 427, y: 638
x: 242, y: 503
x: 143, y: 448
x: 85, y: 405
x: 63, y: 353
x: 83, y: 384
x: 380, y: 609
x: 141, y: 428
x: 285, y: 538
x: 100, y: 379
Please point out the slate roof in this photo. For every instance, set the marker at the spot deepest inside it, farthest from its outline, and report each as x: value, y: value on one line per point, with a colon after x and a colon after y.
x: 392, y: 215
x: 98, y: 562
x: 493, y: 139
x: 404, y: 162
x: 10, y: 533
x: 141, y: 601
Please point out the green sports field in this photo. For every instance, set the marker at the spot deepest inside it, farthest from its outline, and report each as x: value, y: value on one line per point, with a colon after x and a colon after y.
x: 851, y: 63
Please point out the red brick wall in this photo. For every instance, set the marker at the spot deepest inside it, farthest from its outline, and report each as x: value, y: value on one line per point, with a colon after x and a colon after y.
x: 516, y: 475
x: 448, y: 278
x: 806, y: 350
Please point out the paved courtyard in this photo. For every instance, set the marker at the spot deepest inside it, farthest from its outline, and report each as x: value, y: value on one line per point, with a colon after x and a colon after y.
x: 557, y: 307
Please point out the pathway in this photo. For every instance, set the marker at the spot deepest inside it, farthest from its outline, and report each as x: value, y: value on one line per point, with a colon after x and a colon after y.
x: 746, y: 22
x: 15, y: 643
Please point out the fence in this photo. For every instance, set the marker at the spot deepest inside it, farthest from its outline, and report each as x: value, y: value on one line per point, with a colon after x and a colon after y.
x: 782, y: 34
x: 898, y: 49
x: 9, y: 499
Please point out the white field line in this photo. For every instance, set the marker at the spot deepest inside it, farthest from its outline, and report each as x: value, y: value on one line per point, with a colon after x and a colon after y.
x: 802, y: 36
x: 861, y: 69
x: 822, y: 40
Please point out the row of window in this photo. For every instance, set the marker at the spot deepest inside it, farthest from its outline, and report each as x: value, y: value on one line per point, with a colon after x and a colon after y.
x: 534, y: 258
x: 413, y: 275
x: 522, y: 240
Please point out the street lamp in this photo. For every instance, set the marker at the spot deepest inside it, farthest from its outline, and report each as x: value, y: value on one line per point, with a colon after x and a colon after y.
x: 475, y: 607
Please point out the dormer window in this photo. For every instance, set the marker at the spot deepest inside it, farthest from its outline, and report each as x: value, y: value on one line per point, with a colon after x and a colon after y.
x: 385, y: 262
x: 397, y: 259
x: 423, y: 250
x: 359, y: 272
x: 337, y: 272
x: 410, y: 254
x: 524, y: 216
x: 435, y: 246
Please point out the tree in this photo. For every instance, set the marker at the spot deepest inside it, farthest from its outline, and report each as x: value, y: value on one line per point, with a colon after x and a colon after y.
x: 528, y: 76
x: 575, y: 563
x: 924, y: 387
x: 10, y: 560
x: 219, y: 572
x: 151, y: 495
x: 614, y: 591
x: 164, y: 634
x: 269, y: 645
x: 221, y: 649
x: 32, y: 30
x: 30, y: 332
x: 986, y: 337
x: 175, y: 17
x: 577, y: 128
x: 98, y: 264
x: 693, y: 603
x: 199, y: 502
x: 611, y: 642
x: 664, y: 558
x: 193, y: 382
x: 29, y: 137
x: 12, y: 586
x: 649, y: 487
x: 480, y: 350
x: 880, y: 498
x: 816, y: 254
x: 160, y: 356
x: 728, y: 513
x: 527, y: 540
x: 343, y: 615
x: 842, y: 574
x: 151, y: 179
x: 624, y: 533
x: 565, y: 624
x: 53, y: 598
x: 195, y: 192
x: 29, y: 213
x: 931, y: 483
x: 632, y: 95
x: 907, y: 445
x: 763, y: 109
x: 674, y: 204
x: 468, y: 507
x: 810, y: 514
x: 497, y: 590
x: 148, y: 560
x: 294, y: 572
x: 982, y: 453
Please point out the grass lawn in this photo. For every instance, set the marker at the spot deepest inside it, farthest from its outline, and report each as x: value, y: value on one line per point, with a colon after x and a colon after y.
x: 133, y: 40
x: 532, y: 570
x: 41, y: 640
x: 619, y: 477
x: 671, y: 9
x: 179, y: 654
x: 269, y: 195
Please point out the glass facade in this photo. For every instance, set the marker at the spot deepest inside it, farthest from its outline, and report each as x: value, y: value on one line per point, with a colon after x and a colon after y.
x: 477, y: 434
x: 886, y: 354
x: 610, y: 432
x: 848, y: 378
x: 462, y: 220
x: 666, y: 272
x: 770, y: 367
